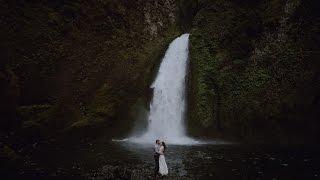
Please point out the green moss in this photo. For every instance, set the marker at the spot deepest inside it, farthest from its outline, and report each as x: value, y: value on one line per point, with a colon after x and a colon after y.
x: 84, y: 123
x: 9, y: 154
x: 114, y: 102
x: 28, y: 111
x: 90, y: 62
x: 247, y: 76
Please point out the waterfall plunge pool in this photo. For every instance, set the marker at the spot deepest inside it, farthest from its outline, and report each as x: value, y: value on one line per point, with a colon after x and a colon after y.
x: 105, y: 159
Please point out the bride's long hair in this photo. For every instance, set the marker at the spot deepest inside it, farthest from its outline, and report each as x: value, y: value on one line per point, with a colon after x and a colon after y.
x: 164, y: 146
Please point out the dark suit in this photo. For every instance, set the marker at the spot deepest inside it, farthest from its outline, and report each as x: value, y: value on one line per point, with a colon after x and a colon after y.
x: 156, y: 159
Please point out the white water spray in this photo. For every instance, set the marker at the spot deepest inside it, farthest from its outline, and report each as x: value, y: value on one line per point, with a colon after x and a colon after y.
x: 167, y: 108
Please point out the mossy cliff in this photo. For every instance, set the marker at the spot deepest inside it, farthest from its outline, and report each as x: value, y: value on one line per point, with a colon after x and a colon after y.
x: 77, y: 67
x: 254, y: 72
x: 83, y: 67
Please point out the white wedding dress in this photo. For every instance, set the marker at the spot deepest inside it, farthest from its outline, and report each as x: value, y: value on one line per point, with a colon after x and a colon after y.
x: 163, y: 168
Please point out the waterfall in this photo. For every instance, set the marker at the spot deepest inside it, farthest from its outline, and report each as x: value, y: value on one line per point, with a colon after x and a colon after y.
x: 167, y: 108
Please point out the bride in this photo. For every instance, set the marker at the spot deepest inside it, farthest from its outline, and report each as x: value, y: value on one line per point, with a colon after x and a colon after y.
x: 163, y: 169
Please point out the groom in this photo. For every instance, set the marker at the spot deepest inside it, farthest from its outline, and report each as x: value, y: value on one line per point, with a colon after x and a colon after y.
x: 156, y: 156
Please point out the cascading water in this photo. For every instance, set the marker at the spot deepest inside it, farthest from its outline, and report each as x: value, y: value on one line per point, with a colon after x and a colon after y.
x: 167, y: 108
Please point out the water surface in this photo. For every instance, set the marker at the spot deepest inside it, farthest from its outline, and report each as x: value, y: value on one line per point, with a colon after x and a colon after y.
x: 103, y: 159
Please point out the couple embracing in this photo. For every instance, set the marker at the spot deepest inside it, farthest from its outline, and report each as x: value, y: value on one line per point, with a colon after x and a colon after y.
x: 160, y: 162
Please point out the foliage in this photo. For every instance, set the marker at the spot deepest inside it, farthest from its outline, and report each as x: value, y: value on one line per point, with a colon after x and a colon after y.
x: 249, y: 69
x: 81, y: 63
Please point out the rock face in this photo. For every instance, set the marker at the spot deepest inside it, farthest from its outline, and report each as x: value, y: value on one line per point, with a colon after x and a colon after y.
x: 86, y: 65
x: 254, y: 70
x: 152, y: 9
x: 86, y: 62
